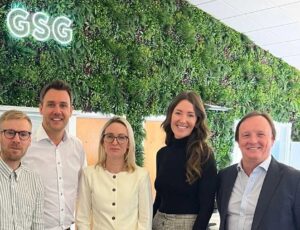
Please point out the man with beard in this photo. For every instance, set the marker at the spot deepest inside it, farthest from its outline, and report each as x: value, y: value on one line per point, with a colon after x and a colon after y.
x: 57, y: 156
x: 21, y: 190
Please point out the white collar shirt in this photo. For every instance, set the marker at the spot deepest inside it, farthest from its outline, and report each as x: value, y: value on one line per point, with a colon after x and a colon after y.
x: 244, y: 196
x: 60, y: 167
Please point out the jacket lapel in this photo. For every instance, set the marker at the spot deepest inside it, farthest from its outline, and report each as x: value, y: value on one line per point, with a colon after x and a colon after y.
x: 225, y: 193
x: 229, y: 186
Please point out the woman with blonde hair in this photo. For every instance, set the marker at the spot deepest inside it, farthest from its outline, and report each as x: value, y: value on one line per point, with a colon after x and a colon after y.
x: 115, y: 193
x: 186, y: 172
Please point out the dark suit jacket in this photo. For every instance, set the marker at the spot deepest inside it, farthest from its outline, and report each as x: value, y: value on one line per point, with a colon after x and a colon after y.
x: 278, y: 205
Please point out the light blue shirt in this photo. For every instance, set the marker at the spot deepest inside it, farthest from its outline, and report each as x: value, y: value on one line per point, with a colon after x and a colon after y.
x: 244, y: 196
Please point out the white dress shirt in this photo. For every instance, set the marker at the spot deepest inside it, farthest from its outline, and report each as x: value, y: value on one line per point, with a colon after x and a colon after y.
x: 60, y: 168
x: 244, y: 196
x: 121, y: 201
x: 21, y: 199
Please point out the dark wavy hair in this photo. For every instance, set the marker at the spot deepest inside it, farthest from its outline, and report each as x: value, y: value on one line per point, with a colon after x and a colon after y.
x: 198, y: 149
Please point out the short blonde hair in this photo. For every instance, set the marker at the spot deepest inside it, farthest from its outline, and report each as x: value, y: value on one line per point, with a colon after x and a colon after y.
x: 14, y: 115
x: 130, y: 164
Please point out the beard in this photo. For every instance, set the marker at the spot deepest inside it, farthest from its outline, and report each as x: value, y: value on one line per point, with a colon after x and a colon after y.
x: 13, y: 152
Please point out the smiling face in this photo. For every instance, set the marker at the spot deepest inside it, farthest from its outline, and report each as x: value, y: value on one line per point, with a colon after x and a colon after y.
x: 12, y: 150
x: 114, y: 149
x: 183, y: 119
x: 56, y: 110
x: 255, y: 140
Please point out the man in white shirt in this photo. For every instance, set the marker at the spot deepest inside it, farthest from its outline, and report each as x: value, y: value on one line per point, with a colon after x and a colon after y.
x: 21, y: 190
x: 57, y: 156
x: 259, y: 193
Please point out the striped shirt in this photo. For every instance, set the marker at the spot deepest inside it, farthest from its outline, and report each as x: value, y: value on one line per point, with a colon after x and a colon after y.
x: 21, y: 199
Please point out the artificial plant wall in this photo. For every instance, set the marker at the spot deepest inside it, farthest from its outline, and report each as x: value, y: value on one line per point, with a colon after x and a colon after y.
x: 132, y: 57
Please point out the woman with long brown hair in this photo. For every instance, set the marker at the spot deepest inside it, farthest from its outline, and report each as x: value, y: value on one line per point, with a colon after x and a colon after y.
x: 186, y: 170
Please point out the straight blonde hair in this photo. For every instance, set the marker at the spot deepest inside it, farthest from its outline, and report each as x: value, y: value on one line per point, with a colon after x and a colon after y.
x: 129, y: 159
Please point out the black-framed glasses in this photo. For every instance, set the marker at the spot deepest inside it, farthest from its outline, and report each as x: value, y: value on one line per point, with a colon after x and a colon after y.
x: 109, y: 138
x: 10, y: 134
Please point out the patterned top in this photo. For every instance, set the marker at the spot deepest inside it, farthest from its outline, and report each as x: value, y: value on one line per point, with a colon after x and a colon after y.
x: 21, y: 199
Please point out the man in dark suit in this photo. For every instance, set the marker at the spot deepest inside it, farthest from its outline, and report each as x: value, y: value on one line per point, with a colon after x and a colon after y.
x: 258, y: 193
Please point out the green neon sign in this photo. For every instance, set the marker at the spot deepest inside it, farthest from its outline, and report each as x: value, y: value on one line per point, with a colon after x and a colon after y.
x: 39, y: 25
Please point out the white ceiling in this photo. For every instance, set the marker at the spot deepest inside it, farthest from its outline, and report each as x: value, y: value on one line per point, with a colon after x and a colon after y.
x: 274, y: 25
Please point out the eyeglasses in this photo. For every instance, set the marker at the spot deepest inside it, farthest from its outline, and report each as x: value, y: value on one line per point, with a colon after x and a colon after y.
x: 109, y: 138
x: 10, y: 134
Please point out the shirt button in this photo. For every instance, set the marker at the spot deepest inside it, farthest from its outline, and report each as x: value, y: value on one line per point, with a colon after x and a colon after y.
x: 113, y: 218
x: 113, y: 189
x: 114, y: 176
x: 113, y: 204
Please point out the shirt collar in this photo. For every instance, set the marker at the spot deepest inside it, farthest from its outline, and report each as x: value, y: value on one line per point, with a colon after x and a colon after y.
x: 264, y: 165
x: 18, y: 171
x: 42, y: 135
x: 7, y: 171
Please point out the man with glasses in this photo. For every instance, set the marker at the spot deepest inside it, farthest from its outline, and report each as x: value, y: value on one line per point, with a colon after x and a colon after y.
x: 21, y: 190
x: 57, y: 156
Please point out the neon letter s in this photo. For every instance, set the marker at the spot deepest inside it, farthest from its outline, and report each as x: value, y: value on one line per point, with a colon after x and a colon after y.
x: 41, y: 31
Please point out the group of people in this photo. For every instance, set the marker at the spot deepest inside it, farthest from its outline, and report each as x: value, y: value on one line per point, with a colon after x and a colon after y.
x: 39, y: 189
x: 45, y: 180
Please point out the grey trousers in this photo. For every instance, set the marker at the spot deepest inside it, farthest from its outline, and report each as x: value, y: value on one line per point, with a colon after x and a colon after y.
x: 164, y: 221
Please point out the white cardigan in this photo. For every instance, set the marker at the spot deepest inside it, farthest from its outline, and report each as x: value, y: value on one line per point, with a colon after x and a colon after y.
x: 108, y: 201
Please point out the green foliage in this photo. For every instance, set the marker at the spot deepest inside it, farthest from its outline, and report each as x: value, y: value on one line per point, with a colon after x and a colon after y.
x: 131, y: 57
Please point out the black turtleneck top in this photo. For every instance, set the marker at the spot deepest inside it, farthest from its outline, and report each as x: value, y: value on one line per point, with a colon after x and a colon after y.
x: 174, y: 195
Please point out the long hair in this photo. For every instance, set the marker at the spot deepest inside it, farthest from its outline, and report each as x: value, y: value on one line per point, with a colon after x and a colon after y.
x: 198, y: 149
x: 129, y: 160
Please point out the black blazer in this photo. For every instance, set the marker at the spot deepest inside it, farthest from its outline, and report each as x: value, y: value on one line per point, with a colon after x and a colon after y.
x: 278, y: 205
